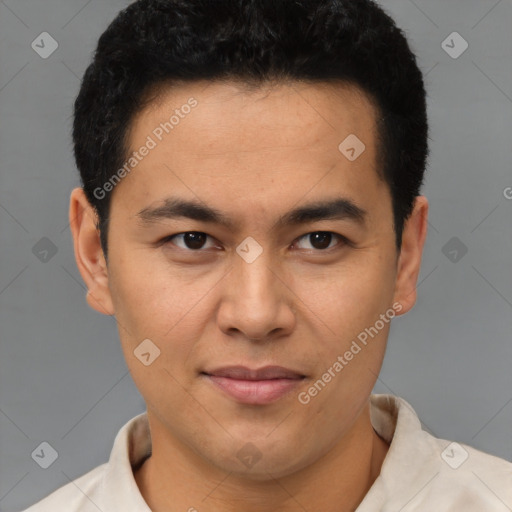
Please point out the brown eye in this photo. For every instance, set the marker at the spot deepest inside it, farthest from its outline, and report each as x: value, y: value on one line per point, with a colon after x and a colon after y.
x: 322, y: 240
x: 191, y: 240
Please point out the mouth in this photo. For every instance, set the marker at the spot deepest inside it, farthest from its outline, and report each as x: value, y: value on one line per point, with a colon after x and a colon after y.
x: 254, y: 386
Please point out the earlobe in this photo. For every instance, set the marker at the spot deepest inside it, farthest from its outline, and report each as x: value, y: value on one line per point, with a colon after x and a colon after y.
x: 89, y: 255
x: 409, y: 260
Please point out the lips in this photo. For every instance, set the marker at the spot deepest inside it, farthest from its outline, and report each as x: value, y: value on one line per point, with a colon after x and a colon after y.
x: 254, y: 386
x: 244, y: 373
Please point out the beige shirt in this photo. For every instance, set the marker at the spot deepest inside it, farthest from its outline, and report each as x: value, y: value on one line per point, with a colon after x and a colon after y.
x: 419, y: 473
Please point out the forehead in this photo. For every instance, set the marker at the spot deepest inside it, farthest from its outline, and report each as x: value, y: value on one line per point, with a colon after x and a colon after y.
x: 234, y: 117
x: 240, y: 109
x: 269, y: 142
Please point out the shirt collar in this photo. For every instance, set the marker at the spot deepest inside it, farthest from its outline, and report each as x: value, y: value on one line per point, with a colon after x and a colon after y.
x: 391, y: 416
x: 131, y: 447
x: 409, y: 459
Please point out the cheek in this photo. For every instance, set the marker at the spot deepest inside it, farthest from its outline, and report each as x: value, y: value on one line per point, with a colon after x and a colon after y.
x: 155, y: 305
x: 343, y: 306
x: 151, y: 299
x: 163, y: 304
x: 347, y: 296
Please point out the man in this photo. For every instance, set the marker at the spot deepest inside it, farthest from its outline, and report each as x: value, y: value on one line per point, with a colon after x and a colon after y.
x: 250, y: 213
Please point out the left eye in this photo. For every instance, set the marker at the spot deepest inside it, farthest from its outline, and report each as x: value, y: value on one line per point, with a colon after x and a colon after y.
x: 318, y: 240
x: 321, y: 240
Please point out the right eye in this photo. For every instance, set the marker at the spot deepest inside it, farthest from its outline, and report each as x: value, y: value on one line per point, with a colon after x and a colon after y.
x: 192, y: 241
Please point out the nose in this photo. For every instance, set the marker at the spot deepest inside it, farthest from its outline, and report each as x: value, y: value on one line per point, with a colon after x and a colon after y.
x: 257, y: 302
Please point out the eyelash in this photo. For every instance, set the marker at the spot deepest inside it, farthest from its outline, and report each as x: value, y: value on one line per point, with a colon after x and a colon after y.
x: 344, y: 241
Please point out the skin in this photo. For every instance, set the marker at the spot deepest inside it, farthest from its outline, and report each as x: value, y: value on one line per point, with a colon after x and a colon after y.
x: 253, y: 155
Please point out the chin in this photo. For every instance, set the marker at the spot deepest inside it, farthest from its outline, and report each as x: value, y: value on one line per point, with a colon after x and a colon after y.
x: 259, y: 460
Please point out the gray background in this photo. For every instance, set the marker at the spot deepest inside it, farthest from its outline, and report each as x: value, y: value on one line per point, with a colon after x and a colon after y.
x: 63, y: 378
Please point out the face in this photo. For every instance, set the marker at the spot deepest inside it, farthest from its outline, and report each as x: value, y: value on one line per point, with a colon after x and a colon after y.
x: 287, y: 258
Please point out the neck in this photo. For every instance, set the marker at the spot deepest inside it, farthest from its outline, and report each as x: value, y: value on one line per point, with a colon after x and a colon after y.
x: 170, y: 480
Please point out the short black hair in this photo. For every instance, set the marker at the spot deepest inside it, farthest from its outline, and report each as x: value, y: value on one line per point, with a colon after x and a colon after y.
x: 153, y: 43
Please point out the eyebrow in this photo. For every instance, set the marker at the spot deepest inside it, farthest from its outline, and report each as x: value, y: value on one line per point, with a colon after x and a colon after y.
x: 173, y: 208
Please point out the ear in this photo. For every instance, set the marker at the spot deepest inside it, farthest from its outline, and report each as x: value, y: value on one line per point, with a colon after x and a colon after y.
x: 89, y: 255
x: 409, y: 260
